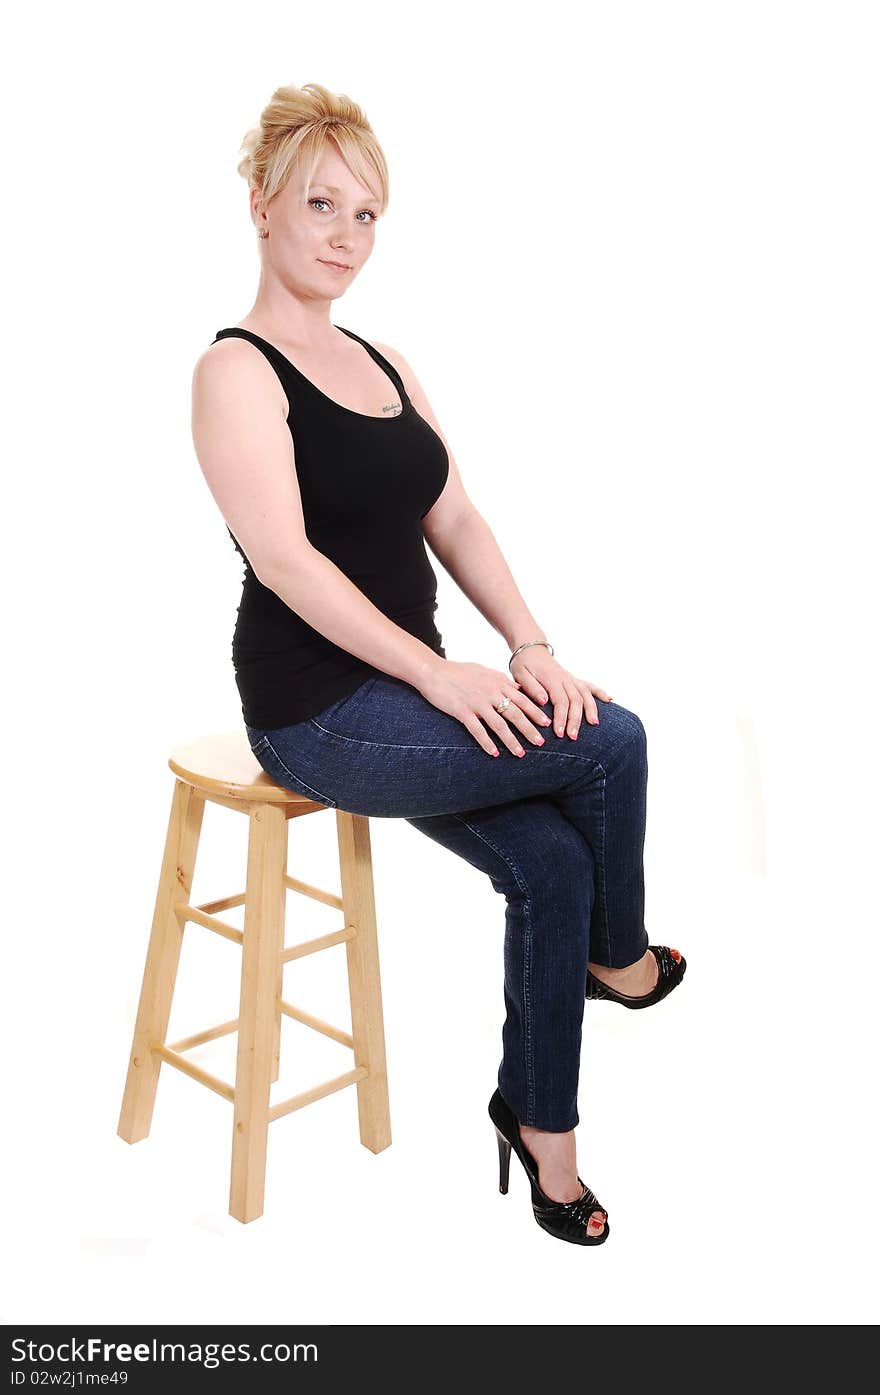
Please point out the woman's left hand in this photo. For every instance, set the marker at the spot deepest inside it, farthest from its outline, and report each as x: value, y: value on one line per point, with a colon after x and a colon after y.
x: 542, y: 678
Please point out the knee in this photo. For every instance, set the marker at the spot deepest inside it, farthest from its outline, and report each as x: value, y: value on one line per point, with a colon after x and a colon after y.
x: 557, y: 859
x: 639, y: 735
x: 528, y: 851
x: 624, y: 726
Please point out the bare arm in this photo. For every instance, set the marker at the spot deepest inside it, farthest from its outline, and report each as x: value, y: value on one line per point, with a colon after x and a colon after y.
x: 462, y: 540
x: 246, y: 454
x: 476, y: 563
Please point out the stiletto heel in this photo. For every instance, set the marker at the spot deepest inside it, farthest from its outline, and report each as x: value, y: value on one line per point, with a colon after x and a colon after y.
x: 503, y: 1162
x: 567, y: 1220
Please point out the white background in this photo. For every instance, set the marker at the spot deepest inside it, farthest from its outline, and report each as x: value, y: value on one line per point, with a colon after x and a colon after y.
x: 631, y: 253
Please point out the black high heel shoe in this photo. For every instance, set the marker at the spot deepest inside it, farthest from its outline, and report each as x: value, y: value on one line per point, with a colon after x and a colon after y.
x: 670, y: 972
x: 567, y: 1220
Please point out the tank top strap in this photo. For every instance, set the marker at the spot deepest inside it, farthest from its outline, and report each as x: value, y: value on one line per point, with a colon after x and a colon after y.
x: 281, y: 365
x: 381, y: 360
x: 284, y: 368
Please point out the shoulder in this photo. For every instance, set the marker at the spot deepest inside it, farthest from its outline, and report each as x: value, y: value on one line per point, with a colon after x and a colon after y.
x: 395, y: 357
x: 223, y: 357
x: 414, y: 389
x: 235, y: 368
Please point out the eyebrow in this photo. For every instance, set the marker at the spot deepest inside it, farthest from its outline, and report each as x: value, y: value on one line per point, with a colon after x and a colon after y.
x: 334, y: 189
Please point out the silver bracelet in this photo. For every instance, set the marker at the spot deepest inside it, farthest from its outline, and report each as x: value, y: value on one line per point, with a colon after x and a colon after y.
x: 527, y: 645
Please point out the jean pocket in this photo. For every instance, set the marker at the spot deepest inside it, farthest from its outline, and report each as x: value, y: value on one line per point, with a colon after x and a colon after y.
x: 282, y: 774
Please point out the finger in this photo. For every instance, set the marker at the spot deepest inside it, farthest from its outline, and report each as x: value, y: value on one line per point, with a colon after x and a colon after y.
x: 533, y: 709
x: 530, y: 709
x: 504, y: 732
x: 590, y: 710
x: 560, y: 711
x: 478, y: 731
x: 533, y: 689
x: 517, y: 717
x: 522, y: 701
x: 536, y: 690
x: 575, y: 713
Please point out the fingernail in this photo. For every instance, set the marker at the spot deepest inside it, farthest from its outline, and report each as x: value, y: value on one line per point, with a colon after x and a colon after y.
x: 494, y: 752
x: 540, y: 741
x: 559, y: 731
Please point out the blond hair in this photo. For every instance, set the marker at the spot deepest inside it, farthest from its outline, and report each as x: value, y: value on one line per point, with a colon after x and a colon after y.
x: 293, y: 129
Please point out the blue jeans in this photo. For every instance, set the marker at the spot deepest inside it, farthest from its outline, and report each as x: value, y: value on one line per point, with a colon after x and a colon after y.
x: 558, y: 831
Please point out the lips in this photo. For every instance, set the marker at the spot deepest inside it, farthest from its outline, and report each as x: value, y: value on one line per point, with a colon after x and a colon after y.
x: 340, y: 266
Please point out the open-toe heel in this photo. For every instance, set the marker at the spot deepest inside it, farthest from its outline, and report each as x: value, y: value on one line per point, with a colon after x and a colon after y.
x: 670, y: 972
x: 567, y: 1220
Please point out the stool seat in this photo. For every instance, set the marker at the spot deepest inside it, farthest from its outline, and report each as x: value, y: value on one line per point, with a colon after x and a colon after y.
x: 223, y: 763
x: 221, y: 769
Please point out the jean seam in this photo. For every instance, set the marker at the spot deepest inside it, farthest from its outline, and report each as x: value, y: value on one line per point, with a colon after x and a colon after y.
x: 384, y: 745
x: 474, y: 750
x: 527, y: 965
x: 603, y: 863
x: 322, y: 798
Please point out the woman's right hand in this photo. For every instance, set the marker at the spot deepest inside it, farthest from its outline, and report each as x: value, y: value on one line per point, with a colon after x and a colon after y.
x: 469, y: 693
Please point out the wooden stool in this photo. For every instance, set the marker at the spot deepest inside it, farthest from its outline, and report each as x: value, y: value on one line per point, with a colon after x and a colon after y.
x: 223, y: 769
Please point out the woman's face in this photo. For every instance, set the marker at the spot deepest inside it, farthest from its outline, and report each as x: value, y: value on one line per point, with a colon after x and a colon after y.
x: 336, y: 224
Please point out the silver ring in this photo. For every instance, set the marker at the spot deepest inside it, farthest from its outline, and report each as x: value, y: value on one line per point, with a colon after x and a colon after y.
x: 503, y: 705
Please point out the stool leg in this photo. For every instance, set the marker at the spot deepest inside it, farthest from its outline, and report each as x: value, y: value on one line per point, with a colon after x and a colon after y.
x: 163, y: 956
x: 365, y: 991
x: 261, y: 951
x: 276, y: 1035
x: 276, y: 1038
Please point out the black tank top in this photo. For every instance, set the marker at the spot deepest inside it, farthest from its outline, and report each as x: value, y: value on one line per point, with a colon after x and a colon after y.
x: 366, y: 483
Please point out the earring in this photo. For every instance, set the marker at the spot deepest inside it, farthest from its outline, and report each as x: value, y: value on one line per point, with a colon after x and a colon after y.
x: 262, y: 232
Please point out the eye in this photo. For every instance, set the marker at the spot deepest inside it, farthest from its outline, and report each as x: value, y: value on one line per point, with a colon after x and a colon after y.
x: 373, y: 216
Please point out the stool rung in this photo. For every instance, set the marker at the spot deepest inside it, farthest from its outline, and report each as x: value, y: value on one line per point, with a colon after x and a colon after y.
x: 320, y: 1026
x: 221, y: 1087
x: 187, y: 1043
x: 226, y: 903
x: 336, y: 937
x: 204, y: 1077
x: 229, y: 932
x: 317, y: 1092
x: 328, y: 897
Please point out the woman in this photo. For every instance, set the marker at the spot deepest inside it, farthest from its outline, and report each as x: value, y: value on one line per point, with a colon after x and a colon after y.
x: 331, y: 471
